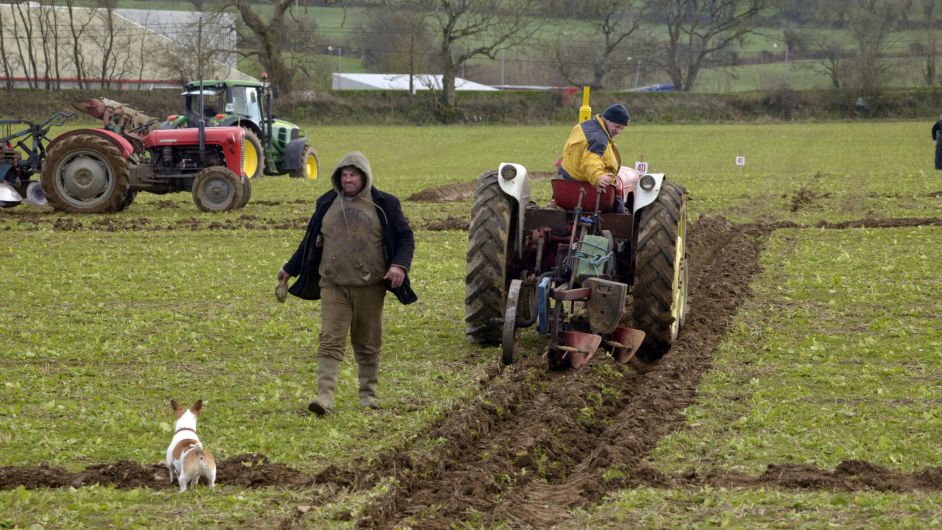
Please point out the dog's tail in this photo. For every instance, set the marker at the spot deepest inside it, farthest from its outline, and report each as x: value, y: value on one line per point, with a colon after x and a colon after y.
x: 206, y: 460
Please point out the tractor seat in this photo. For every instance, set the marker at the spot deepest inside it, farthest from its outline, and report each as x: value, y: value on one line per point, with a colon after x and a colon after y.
x: 566, y: 195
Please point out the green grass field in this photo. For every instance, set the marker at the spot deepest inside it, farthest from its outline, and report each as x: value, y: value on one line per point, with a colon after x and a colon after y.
x: 837, y: 354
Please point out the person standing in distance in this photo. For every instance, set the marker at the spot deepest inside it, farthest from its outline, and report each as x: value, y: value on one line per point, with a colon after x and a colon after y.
x: 937, y: 138
x: 358, y: 245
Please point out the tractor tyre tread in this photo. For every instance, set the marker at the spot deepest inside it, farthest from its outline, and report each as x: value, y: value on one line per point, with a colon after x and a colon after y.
x: 115, y: 201
x: 654, y: 270
x: 301, y: 172
x: 219, y: 172
x: 489, y: 249
x: 252, y: 138
x: 246, y: 193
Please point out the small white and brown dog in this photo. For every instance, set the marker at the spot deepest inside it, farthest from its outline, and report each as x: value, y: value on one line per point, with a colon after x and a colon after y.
x: 186, y: 457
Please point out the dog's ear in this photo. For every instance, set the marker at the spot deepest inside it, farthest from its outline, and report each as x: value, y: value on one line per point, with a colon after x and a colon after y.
x: 175, y: 405
x: 197, y: 406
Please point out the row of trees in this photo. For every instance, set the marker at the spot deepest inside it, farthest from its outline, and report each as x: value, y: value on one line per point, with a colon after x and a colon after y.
x: 676, y: 37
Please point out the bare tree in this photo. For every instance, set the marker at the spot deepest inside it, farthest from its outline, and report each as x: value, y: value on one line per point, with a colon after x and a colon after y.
x: 4, y: 57
x: 23, y: 10
x: 615, y: 23
x: 870, y: 23
x: 834, y: 58
x: 210, y: 47
x: 928, y: 50
x: 473, y: 28
x: 77, y: 31
x: 396, y: 40
x: 105, y: 11
x: 272, y: 37
x: 48, y: 17
x: 701, y: 30
x: 827, y: 12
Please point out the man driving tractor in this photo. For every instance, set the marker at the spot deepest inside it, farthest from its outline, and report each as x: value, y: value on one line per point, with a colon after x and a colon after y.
x: 590, y: 154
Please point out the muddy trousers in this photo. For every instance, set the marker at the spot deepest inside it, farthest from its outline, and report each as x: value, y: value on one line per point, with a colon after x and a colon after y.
x: 359, y: 312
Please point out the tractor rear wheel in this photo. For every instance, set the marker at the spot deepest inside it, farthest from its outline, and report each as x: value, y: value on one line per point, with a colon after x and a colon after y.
x: 253, y: 155
x: 489, y: 251
x: 309, y: 164
x: 659, y: 304
x: 217, y: 189
x: 86, y: 173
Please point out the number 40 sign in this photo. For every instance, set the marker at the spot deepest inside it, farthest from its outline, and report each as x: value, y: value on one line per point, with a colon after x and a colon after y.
x: 641, y: 167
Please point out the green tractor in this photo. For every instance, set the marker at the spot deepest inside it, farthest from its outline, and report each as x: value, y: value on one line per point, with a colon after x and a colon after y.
x: 272, y: 146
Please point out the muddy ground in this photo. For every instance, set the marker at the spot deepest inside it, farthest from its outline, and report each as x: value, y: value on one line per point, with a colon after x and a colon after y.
x: 535, y: 444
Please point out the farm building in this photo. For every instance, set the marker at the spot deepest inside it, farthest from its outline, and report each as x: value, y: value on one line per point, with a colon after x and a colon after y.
x: 43, y: 46
x: 399, y: 82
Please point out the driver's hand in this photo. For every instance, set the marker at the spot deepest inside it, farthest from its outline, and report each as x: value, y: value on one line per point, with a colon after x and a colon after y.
x: 605, y: 180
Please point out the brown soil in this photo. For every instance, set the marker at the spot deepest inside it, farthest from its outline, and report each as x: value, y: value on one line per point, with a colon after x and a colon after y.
x: 450, y: 192
x: 850, y: 475
x: 535, y: 444
x: 116, y: 223
x: 449, y: 223
x: 460, y: 190
x: 249, y: 470
x: 804, y: 198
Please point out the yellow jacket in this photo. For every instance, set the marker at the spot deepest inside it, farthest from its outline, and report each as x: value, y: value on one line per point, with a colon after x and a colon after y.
x: 590, y: 152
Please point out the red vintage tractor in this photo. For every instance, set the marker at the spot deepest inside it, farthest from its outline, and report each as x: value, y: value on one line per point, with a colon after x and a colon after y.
x: 572, y: 268
x: 101, y: 170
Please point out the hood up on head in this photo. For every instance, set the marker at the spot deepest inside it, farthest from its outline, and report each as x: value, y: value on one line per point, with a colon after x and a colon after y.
x: 359, y: 161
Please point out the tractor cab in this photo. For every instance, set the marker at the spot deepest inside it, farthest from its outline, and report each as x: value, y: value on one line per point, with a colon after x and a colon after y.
x: 272, y: 146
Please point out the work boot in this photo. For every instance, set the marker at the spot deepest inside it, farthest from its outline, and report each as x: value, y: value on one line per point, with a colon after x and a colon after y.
x: 368, y: 374
x: 327, y: 368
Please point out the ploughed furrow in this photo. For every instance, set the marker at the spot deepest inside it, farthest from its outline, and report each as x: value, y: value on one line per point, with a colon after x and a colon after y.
x: 248, y: 471
x: 138, y: 219
x: 536, y: 444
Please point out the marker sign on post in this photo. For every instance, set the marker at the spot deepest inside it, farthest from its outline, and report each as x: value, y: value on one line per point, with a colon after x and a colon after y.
x: 641, y: 167
x: 740, y: 161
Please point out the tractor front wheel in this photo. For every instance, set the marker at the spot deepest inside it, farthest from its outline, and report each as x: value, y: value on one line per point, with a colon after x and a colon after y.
x: 659, y: 305
x: 253, y: 155
x: 217, y: 189
x: 246, y: 193
x: 489, y: 250
x: 309, y: 165
x: 85, y: 173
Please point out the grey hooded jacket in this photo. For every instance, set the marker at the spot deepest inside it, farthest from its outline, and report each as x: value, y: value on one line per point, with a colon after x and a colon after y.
x: 398, y: 240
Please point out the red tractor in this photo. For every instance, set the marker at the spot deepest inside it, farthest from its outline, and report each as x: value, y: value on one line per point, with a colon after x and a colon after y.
x: 101, y: 170
x: 573, y: 268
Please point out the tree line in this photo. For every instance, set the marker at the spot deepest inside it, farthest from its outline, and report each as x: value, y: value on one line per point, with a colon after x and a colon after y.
x: 577, y: 42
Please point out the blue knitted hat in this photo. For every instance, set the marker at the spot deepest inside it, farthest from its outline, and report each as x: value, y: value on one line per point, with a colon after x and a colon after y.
x: 617, y: 113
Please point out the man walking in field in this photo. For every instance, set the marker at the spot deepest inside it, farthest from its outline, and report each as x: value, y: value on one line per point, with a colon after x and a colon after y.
x: 937, y: 138
x: 590, y: 155
x: 357, y: 246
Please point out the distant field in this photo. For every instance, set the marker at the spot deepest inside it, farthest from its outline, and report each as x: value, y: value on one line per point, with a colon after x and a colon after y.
x: 832, y: 354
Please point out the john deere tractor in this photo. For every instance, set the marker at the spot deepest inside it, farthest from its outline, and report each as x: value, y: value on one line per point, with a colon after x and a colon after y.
x: 272, y: 146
